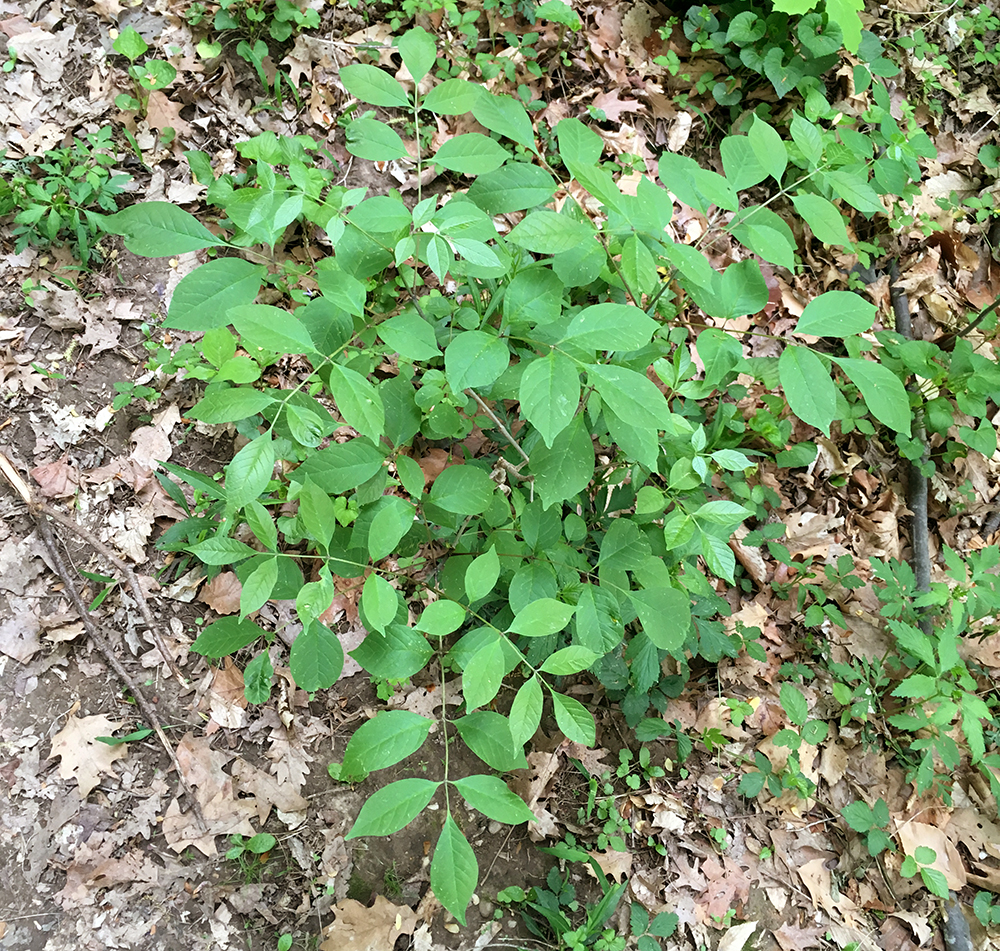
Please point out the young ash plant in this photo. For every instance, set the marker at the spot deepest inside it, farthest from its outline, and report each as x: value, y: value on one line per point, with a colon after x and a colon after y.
x: 587, y: 541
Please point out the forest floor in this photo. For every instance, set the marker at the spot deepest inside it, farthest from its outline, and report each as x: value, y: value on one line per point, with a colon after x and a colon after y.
x: 97, y: 850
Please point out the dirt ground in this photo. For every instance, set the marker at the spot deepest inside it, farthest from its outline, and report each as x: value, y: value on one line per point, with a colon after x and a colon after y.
x: 99, y: 843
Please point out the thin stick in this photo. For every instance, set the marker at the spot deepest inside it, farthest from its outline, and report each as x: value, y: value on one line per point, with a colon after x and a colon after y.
x: 499, y: 425
x: 917, y: 482
x: 39, y: 511
x: 40, y: 508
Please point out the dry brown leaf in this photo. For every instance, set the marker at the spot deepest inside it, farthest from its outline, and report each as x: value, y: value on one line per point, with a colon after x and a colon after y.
x: 102, y: 333
x: 82, y: 756
x: 433, y: 464
x: 358, y: 928
x: 57, y: 480
x: 948, y: 861
x: 613, y: 107
x: 793, y: 938
x: 616, y: 864
x: 47, y: 52
x: 92, y: 870
x: 152, y: 443
x: 222, y: 593
x: 737, y: 936
x: 162, y: 113
x: 224, y: 813
x: 269, y: 792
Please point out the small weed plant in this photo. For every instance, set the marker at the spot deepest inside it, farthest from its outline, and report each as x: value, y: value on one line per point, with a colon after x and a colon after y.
x: 147, y: 75
x: 252, y: 26
x: 63, y: 196
x: 586, y: 539
x: 554, y: 913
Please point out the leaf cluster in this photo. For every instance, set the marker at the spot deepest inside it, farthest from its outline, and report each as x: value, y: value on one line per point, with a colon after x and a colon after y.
x: 582, y: 539
x: 62, y: 196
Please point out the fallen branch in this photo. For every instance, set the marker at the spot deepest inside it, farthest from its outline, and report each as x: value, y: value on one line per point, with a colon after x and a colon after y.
x: 917, y: 488
x: 41, y: 513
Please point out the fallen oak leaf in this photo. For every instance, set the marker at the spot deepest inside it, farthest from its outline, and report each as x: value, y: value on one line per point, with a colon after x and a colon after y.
x: 82, y: 756
x: 358, y: 928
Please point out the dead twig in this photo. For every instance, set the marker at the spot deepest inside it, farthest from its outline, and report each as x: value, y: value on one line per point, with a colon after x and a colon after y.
x: 38, y: 508
x: 489, y: 412
x: 917, y: 492
x: 41, y: 513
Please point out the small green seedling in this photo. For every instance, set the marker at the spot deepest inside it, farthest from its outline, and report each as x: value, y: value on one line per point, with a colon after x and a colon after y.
x: 148, y: 76
x: 921, y: 861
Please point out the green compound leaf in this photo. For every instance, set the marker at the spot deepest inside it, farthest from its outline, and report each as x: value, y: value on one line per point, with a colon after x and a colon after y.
x: 454, y: 97
x: 358, y: 401
x: 541, y: 617
x: 341, y: 467
x: 471, y: 154
x: 466, y: 490
x: 826, y: 222
x: 793, y: 702
x: 419, y: 50
x: 567, y: 467
x: 506, y: 116
x: 764, y: 233
x: 393, y: 519
x: 270, y: 328
x: 441, y: 618
x: 743, y: 168
x: 257, y: 678
x: 526, y: 711
x: 490, y: 796
x: 475, y: 359
x: 514, y: 187
x: 574, y: 719
x: 882, y: 390
x: 392, y: 807
x: 379, y: 600
x: 454, y: 870
x: 483, y: 674
x: 390, y: 736
x: 488, y: 735
x: 550, y: 394
x: 481, y: 576
x: 665, y: 613
x: 258, y: 586
x: 550, y: 233
x: 375, y: 141
x: 250, y: 471
x: 410, y: 336
x: 225, y: 636
x: 373, y: 85
x: 569, y: 660
x: 631, y: 395
x: 202, y: 298
x: 610, y: 327
x: 810, y: 391
x: 230, y: 405
x: 158, y: 229
x: 836, y: 314
x: 317, y: 657
x: 221, y: 551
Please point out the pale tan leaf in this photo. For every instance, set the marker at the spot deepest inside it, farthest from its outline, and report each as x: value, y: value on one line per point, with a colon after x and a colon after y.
x: 82, y: 756
x: 358, y: 928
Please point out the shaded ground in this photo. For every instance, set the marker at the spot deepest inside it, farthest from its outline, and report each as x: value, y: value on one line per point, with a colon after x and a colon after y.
x: 117, y: 867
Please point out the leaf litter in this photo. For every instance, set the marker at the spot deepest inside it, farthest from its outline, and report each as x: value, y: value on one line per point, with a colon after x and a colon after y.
x: 860, y: 518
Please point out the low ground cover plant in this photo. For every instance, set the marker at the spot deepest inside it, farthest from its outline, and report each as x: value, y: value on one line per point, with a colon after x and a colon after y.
x: 63, y: 196
x: 587, y: 539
